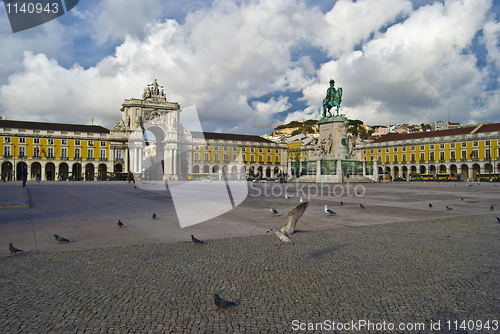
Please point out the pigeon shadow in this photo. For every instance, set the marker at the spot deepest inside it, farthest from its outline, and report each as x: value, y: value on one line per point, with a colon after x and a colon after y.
x: 325, y: 251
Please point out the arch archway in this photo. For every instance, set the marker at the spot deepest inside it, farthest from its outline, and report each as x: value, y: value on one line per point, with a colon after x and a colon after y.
x: 432, y: 169
x: 413, y: 169
x: 423, y: 170
x: 476, y: 169
x: 465, y: 171
x: 196, y: 169
x: 89, y: 172
x: 50, y: 171
x: 488, y: 168
x: 118, y: 168
x: 259, y: 171
x: 63, y: 171
x: 19, y: 169
x: 395, y: 172
x: 215, y: 169
x: 405, y: 172
x: 453, y: 169
x: 76, y: 171
x: 268, y: 171
x: 442, y: 169
x: 36, y: 169
x: 206, y: 169
x: 7, y: 172
x: 102, y: 170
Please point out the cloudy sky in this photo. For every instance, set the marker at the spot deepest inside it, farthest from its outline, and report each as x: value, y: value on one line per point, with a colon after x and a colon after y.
x: 258, y: 62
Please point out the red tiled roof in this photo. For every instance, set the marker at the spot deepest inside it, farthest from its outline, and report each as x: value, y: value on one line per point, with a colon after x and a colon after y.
x: 489, y: 128
x: 230, y: 136
x: 52, y: 126
x: 427, y: 134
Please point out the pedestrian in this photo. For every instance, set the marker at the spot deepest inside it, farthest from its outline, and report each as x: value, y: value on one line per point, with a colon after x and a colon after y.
x: 25, y: 175
x: 130, y: 177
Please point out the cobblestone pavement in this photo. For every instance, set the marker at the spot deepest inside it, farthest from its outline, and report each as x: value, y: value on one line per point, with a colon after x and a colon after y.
x: 413, y: 273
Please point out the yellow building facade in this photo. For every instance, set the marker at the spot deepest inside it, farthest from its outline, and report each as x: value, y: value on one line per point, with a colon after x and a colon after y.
x: 468, y: 152
x: 56, y: 151
x: 247, y: 155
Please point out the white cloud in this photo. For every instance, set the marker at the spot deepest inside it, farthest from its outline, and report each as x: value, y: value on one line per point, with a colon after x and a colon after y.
x: 416, y: 69
x: 120, y: 18
x: 230, y: 53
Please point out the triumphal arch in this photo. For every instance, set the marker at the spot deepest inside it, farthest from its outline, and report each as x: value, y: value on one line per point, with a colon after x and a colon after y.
x: 161, y: 157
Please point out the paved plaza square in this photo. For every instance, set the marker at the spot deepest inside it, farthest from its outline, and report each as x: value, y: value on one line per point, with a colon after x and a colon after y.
x: 398, y: 265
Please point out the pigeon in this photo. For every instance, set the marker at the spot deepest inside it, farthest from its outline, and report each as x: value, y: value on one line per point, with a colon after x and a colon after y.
x: 292, y: 218
x: 430, y: 205
x: 341, y: 203
x: 330, y: 212
x: 361, y: 206
x: 221, y: 303
x: 301, y: 200
x: 498, y: 220
x: 154, y: 215
x: 13, y: 250
x: 491, y: 208
x: 288, y: 227
x: 283, y: 236
x: 120, y: 224
x: 196, y: 241
x: 287, y: 197
x: 274, y: 211
x: 60, y: 239
x: 448, y: 208
x: 462, y: 199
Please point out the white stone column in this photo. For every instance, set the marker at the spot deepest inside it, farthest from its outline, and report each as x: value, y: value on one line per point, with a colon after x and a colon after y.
x: 375, y: 170
x: 140, y: 157
x: 318, y: 171
x: 42, y: 172
x: 339, y: 170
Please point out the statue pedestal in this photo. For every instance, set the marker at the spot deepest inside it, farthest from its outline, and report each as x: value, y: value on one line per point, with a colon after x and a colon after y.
x: 333, y: 137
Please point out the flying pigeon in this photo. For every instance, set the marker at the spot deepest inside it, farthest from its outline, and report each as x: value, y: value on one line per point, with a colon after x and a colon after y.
x: 283, y: 236
x: 291, y: 221
x: 462, y: 199
x: 274, y: 211
x: 292, y: 218
x: 13, y: 250
x: 287, y: 197
x: 341, y: 203
x: 491, y: 208
x: 430, y: 205
x: 498, y: 220
x: 60, y: 239
x: 196, y: 241
x: 448, y: 208
x: 361, y: 206
x: 301, y: 200
x: 120, y: 224
x: 330, y: 212
x: 154, y: 215
x: 221, y: 303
